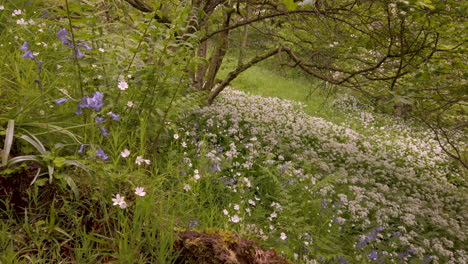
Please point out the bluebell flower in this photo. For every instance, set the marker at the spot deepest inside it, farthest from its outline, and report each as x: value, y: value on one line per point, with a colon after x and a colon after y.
x: 28, y: 55
x: 324, y: 204
x: 78, y: 111
x: 342, y: 260
x: 80, y: 151
x: 24, y: 47
x: 62, y: 35
x: 84, y: 45
x: 373, y: 255
x: 114, y: 117
x: 215, y: 167
x: 228, y: 181
x: 427, y: 260
x: 406, y: 253
x: 100, y: 153
x: 45, y: 12
x: 363, y: 241
x: 61, y: 101
x: 79, y: 54
x: 193, y: 223
x: 104, y: 131
x: 99, y: 120
x: 283, y: 169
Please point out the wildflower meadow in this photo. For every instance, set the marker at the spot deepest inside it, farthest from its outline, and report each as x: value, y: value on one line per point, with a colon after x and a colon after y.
x: 131, y: 132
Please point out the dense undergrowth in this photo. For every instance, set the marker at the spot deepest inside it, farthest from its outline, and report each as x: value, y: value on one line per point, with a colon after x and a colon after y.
x: 107, y: 154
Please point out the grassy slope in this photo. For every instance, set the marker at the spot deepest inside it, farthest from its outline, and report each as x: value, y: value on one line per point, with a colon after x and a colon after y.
x: 260, y: 80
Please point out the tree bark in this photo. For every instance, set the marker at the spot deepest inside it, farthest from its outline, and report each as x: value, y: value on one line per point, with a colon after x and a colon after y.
x: 218, y: 54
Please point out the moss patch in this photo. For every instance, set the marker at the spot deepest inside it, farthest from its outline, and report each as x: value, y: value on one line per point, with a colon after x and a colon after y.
x: 217, y: 246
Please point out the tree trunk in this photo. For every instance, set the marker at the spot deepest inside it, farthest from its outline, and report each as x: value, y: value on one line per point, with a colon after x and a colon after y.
x: 218, y: 55
x: 201, y: 70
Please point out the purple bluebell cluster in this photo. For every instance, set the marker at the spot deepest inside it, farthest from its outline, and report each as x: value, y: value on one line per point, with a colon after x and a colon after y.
x: 215, y: 167
x: 94, y: 103
x: 283, y: 169
x: 30, y: 55
x: 63, y: 35
x: 228, y: 181
x: 364, y: 241
x: 406, y: 253
x: 343, y: 260
x: 427, y: 260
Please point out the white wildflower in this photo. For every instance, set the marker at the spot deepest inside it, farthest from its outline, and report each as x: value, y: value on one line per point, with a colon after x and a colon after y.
x: 16, y: 12
x: 283, y: 236
x: 125, y: 153
x: 21, y: 21
x: 139, y: 160
x: 120, y: 201
x: 140, y: 191
x: 123, y: 85
x: 235, y: 219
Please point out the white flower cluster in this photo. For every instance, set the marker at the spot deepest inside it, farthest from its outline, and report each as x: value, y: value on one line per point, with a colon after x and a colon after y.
x: 120, y: 200
x: 387, y: 179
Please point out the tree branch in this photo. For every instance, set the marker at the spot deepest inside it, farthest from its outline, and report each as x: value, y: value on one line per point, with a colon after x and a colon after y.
x: 241, y: 68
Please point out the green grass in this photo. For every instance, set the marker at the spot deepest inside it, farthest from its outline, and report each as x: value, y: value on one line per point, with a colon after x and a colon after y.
x: 289, y: 84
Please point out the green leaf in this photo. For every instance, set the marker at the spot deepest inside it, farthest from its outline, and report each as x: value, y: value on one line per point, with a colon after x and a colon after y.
x: 36, y: 143
x: 59, y: 161
x: 24, y: 159
x: 35, y: 177
x: 77, y: 164
x: 53, y: 128
x: 51, y: 172
x: 290, y: 5
x: 8, y: 141
x: 72, y: 185
x: 41, y: 182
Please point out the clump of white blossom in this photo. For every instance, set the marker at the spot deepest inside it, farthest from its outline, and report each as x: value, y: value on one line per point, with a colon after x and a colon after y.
x: 388, y: 193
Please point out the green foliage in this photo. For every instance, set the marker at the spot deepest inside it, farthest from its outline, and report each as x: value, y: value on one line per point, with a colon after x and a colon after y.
x: 76, y: 132
x: 291, y: 5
